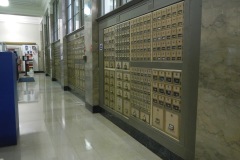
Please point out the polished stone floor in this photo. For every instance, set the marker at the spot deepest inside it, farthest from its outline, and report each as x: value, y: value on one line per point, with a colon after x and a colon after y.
x: 55, y: 125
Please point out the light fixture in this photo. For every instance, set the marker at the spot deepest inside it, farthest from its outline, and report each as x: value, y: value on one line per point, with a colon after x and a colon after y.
x: 4, y: 3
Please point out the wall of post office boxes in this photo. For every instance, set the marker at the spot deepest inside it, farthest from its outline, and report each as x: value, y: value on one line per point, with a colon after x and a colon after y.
x: 151, y: 95
x: 149, y: 68
x: 47, y: 61
x: 76, y: 64
x: 56, y: 61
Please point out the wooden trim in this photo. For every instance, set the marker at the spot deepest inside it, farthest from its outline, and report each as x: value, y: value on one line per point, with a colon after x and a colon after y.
x: 19, y: 43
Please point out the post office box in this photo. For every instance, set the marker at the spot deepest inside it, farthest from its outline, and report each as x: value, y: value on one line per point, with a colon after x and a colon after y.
x: 106, y: 94
x: 106, y: 64
x: 177, y: 91
x: 180, y: 20
x: 119, y: 75
x: 161, y: 100
x: 161, y: 88
x: 155, y: 86
x: 179, y: 32
x: 145, y: 117
x: 177, y: 77
x: 169, y: 11
x: 168, y: 102
x: 145, y: 29
x: 106, y: 80
x: 176, y: 104
x: 118, y: 84
x: 172, y: 124
x: 168, y: 90
x: 112, y: 104
x: 139, y: 56
x: 118, y: 65
x: 135, y: 112
x: 154, y: 15
x: 159, y: 46
x: 112, y: 74
x: 158, y: 36
x: 140, y: 19
x: 155, y: 75
x: 179, y: 43
x: 163, y: 45
x: 144, y: 72
x: 169, y: 23
x: 149, y: 55
x: 112, y: 97
x: 111, y: 64
x: 119, y: 92
x: 126, y: 107
x: 106, y: 88
x: 159, y: 25
x: 174, y: 44
x: 118, y: 104
x: 168, y: 56
x: 168, y: 34
x: 163, y: 56
x: 126, y: 94
x: 159, y: 56
x: 174, y: 8
x: 106, y: 102
x: 174, y: 33
x: 163, y: 13
x: 154, y: 36
x: 168, y: 44
x: 126, y: 85
x: 180, y: 7
x: 111, y: 90
x: 148, y: 17
x: 126, y: 65
x: 159, y: 14
x: 163, y: 24
x: 148, y: 107
x: 158, y: 117
x: 155, y: 98
x: 174, y: 55
x: 154, y: 56
x: 174, y: 22
x: 161, y: 75
x: 126, y: 76
x: 179, y: 55
x: 168, y: 75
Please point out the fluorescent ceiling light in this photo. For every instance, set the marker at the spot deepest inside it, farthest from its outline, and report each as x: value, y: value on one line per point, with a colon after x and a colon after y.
x: 4, y: 3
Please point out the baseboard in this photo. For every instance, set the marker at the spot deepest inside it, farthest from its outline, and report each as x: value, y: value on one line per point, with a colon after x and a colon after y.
x: 34, y: 72
x: 47, y: 74
x: 93, y: 109
x: 148, y: 142
x: 38, y: 71
x: 54, y: 79
x: 66, y: 88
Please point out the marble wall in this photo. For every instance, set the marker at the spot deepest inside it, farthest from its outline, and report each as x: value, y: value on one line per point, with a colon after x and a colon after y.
x: 91, y: 46
x: 218, y: 130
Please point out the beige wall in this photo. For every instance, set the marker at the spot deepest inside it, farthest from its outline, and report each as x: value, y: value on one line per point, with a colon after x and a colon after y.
x: 218, y: 131
x: 20, y: 32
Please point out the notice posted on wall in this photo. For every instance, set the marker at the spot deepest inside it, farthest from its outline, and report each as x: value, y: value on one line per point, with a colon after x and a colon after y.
x: 32, y: 52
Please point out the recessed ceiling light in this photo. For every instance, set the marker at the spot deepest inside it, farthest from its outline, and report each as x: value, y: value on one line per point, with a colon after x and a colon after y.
x: 4, y: 3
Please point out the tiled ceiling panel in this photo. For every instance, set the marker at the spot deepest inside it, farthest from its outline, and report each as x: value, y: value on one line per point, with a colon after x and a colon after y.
x: 25, y: 7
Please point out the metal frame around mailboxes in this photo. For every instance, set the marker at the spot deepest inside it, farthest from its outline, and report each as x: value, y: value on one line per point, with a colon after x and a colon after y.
x: 184, y: 148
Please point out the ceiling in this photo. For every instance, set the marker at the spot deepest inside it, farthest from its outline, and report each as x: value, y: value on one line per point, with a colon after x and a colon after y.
x: 25, y: 7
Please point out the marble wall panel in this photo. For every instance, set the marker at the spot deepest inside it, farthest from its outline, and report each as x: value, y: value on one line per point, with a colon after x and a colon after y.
x: 91, y: 44
x: 218, y: 131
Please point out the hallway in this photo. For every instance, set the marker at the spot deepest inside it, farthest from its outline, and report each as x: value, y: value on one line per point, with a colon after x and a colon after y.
x: 55, y: 125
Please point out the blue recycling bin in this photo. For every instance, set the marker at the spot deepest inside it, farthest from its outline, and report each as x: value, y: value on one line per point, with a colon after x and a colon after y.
x: 9, y: 121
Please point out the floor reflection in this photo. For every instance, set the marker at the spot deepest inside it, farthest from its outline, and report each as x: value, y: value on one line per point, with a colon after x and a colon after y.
x: 28, y: 92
